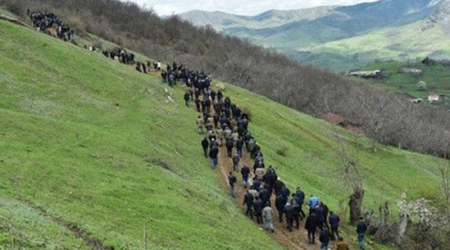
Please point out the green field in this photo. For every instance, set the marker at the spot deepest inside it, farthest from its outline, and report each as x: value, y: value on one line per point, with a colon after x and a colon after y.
x: 436, y: 77
x: 91, y: 144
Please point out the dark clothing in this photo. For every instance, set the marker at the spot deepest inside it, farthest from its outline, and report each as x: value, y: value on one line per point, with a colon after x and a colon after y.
x: 248, y: 201
x: 289, y: 212
x: 361, y: 228
x: 285, y: 191
x: 325, y: 237
x: 258, y: 206
x: 280, y: 203
x: 301, y: 196
x: 205, y: 145
x: 214, y: 152
x: 334, y: 221
x: 245, y: 171
x: 311, y: 223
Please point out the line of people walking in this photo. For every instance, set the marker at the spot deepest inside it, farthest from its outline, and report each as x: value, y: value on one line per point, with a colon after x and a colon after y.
x: 226, y: 125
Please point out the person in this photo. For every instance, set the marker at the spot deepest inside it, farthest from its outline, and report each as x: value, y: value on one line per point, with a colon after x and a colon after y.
x: 248, y: 201
x: 245, y: 171
x: 311, y: 226
x: 301, y: 199
x: 187, y: 97
x: 361, y: 229
x: 324, y: 238
x: 280, y: 203
x: 200, y: 124
x: 267, y: 214
x: 320, y: 217
x: 289, y: 212
x: 213, y: 155
x: 334, y: 224
x: 229, y: 145
x: 341, y: 245
x: 205, y: 145
x: 239, y: 146
x: 197, y: 104
x: 258, y: 207
x: 296, y: 211
x: 236, y: 159
x: 231, y: 181
x: 313, y: 203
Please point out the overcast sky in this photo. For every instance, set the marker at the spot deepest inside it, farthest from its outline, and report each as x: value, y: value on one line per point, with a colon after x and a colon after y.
x: 241, y: 7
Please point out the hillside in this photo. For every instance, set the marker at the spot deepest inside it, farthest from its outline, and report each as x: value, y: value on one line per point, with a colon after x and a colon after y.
x: 94, y: 153
x: 343, y: 38
x: 437, y: 78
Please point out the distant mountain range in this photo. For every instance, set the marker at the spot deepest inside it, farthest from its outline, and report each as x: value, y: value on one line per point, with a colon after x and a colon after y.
x: 344, y: 37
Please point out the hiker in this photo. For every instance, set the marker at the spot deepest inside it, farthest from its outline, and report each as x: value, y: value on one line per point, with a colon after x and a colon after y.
x: 280, y: 203
x: 334, y: 224
x: 232, y: 181
x: 341, y: 245
x: 200, y: 124
x: 248, y: 201
x: 236, y: 160
x: 187, y: 97
x: 239, y: 146
x: 164, y: 76
x: 320, y: 217
x: 205, y: 145
x: 245, y: 171
x: 311, y: 226
x: 296, y: 211
x: 325, y: 213
x: 213, y: 155
x: 301, y: 199
x: 361, y: 229
x: 289, y: 212
x: 229, y: 145
x: 268, y: 217
x: 313, y: 203
x: 324, y: 238
x: 258, y: 207
x: 264, y: 195
x: 256, y: 184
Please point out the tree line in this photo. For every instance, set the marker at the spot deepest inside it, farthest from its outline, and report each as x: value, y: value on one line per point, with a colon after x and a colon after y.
x: 387, y: 118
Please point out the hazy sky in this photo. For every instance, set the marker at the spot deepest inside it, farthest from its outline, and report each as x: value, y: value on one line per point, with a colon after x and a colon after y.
x: 241, y: 7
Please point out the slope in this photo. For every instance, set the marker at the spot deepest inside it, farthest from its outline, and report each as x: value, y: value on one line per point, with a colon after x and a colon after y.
x: 89, y: 143
x: 98, y: 146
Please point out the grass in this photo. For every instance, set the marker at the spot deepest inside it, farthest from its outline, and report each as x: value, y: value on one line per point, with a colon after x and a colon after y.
x: 98, y: 145
x: 437, y: 78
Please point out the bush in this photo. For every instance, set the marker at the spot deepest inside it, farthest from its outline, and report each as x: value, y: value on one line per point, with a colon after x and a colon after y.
x: 283, y: 151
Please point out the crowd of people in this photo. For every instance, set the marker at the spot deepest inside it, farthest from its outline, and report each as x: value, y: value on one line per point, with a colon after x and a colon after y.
x: 50, y: 23
x: 226, y: 125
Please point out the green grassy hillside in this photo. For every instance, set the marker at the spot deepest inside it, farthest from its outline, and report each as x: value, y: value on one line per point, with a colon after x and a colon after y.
x: 92, y: 151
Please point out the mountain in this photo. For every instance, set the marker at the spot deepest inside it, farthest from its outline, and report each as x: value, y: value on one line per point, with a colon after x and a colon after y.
x: 305, y: 34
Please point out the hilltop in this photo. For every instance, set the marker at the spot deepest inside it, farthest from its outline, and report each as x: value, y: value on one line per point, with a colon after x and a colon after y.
x: 343, y: 38
x: 95, y: 153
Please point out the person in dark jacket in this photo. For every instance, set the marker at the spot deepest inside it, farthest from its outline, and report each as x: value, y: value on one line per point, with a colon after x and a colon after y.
x: 230, y: 144
x: 205, y: 145
x: 289, y: 212
x: 296, y: 214
x: 325, y: 212
x: 264, y: 195
x: 258, y: 206
x: 324, y: 238
x: 361, y: 229
x: 232, y: 181
x: 213, y: 155
x: 187, y: 97
x: 285, y: 191
x: 301, y: 199
x: 334, y: 224
x: 239, y: 146
x: 320, y: 217
x: 280, y: 203
x: 256, y: 184
x: 311, y: 226
x: 249, y: 202
x: 245, y: 171
x: 197, y: 104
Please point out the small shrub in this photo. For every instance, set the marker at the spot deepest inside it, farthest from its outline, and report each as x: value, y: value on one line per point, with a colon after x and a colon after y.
x: 283, y: 151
